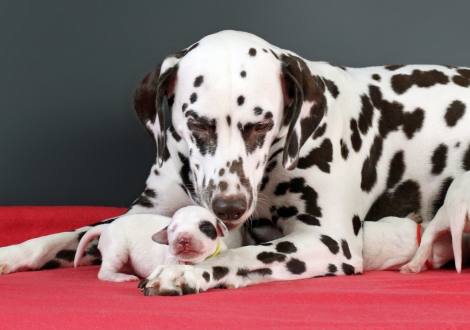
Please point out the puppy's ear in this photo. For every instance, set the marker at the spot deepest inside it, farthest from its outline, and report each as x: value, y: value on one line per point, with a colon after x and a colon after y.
x: 221, y: 229
x: 304, y: 106
x: 161, y: 237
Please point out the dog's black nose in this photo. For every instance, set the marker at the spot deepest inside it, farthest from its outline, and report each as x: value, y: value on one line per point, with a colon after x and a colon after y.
x: 229, y: 207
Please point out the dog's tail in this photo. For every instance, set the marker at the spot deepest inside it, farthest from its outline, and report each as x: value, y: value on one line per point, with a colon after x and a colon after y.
x: 458, y: 213
x: 90, y: 234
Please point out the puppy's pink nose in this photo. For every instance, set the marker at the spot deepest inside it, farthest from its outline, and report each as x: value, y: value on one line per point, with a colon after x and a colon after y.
x: 183, y: 240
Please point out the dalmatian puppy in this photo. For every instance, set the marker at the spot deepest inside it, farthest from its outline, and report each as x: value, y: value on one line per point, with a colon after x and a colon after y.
x: 453, y: 217
x: 262, y: 136
x: 190, y: 236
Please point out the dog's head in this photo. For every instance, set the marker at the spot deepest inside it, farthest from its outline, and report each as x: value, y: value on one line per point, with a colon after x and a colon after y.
x: 234, y: 99
x: 192, y: 235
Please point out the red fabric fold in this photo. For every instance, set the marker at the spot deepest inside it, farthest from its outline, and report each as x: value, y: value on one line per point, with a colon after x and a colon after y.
x: 76, y: 299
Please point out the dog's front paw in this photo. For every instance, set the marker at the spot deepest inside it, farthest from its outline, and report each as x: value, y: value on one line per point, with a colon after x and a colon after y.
x: 175, y: 280
x: 410, y: 268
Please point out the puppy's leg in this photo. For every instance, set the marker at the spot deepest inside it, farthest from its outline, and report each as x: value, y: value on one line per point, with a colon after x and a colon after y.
x: 115, y: 254
x: 439, y: 226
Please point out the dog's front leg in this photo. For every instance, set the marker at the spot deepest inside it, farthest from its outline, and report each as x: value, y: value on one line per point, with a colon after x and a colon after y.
x: 302, y: 254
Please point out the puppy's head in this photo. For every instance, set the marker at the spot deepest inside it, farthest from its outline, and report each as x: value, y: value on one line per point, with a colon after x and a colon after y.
x: 192, y: 235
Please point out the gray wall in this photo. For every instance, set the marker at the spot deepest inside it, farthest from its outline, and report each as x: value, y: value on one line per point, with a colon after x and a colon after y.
x: 68, y: 69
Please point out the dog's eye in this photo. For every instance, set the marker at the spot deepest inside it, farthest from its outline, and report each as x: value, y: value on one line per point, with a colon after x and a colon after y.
x: 263, y: 126
x: 196, y: 126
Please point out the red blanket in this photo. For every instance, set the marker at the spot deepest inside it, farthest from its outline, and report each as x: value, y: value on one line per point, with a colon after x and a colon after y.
x: 76, y: 299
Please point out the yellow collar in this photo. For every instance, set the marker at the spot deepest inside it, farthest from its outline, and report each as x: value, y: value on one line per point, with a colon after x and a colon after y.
x: 216, y: 250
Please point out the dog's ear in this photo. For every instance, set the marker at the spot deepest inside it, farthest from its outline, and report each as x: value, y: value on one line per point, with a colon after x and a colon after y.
x: 304, y: 106
x: 161, y: 237
x: 221, y: 229
x: 149, y: 99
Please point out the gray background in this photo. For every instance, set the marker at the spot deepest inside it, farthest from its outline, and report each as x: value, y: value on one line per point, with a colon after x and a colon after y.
x: 68, y: 70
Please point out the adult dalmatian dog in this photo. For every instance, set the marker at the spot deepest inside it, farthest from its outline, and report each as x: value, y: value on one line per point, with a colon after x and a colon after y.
x: 262, y: 136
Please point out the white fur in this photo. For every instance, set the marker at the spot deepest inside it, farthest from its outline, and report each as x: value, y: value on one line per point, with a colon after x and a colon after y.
x: 128, y: 242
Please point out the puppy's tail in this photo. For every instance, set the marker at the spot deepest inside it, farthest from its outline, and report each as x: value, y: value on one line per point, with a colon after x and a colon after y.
x: 458, y: 213
x: 90, y: 234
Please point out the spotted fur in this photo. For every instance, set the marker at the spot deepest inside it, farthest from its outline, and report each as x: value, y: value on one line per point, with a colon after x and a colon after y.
x: 341, y: 145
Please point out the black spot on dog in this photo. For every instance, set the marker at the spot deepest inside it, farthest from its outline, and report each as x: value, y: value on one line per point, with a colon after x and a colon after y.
x: 52, y: 264
x: 320, y: 157
x: 252, y: 52
x: 330, y: 243
x: 187, y: 289
x: 439, y: 201
x: 391, y: 112
x: 309, y: 219
x: 264, y: 50
x: 287, y: 212
x: 264, y: 182
x: 243, y: 74
x: 268, y: 115
x: 356, y: 140
x: 96, y: 262
x: 184, y: 174
x: 219, y: 272
x: 143, y: 201
x: 366, y: 116
x: 270, y: 257
x: 463, y: 79
x: 221, y: 172
x: 369, y: 168
x: 357, y: 224
x: 454, y: 112
x: 198, y: 81
x: 344, y: 149
x: 404, y: 200
x: 258, y: 111
x: 67, y: 255
x: 412, y: 122
x: 332, y: 269
x: 332, y: 88
x: 466, y: 159
x: 240, y: 100
x: 319, y: 131
x: 206, y: 276
x: 193, y: 98
x: 229, y: 121
x: 94, y: 251
x: 150, y: 193
x: 424, y: 79
x: 80, y: 235
x: 244, y: 272
x: 397, y: 169
x: 348, y: 269
x: 271, y: 166
x: 394, y: 67
x: 184, y: 107
x: 307, y: 194
x: 345, y: 248
x: 174, y: 134
x: 274, y: 54
x: 296, y: 266
x: 286, y: 247
x: 309, y: 124
x: 439, y: 159
x: 375, y: 76
x: 208, y: 229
